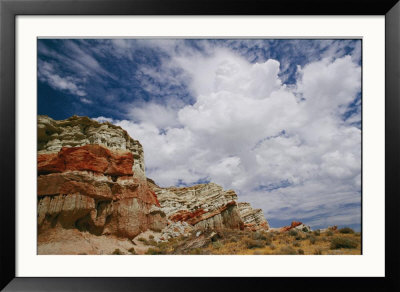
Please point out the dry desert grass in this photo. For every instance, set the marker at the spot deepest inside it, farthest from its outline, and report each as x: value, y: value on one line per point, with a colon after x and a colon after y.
x: 235, y: 242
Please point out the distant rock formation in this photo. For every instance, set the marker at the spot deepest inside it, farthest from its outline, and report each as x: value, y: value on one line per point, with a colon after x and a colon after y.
x: 296, y: 225
x: 92, y: 183
x: 253, y: 218
x: 205, y: 206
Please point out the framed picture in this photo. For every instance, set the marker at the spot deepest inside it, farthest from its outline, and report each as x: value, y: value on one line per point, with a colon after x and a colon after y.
x: 227, y: 145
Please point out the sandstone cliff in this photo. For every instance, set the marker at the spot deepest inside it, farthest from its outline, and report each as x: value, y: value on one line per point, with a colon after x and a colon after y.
x: 80, y: 131
x: 92, y: 185
x: 88, y: 180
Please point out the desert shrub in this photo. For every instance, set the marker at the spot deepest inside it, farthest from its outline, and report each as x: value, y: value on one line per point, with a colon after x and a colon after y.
x: 251, y: 243
x: 329, y: 233
x: 287, y: 250
x: 342, y: 242
x: 257, y: 252
x: 117, y: 252
x: 82, y: 253
x: 296, y: 244
x: 293, y: 232
x: 132, y: 250
x: 317, y: 232
x: 300, y: 251
x: 258, y: 236
x: 346, y: 230
x: 267, y: 241
x: 299, y: 237
x: 151, y: 236
x: 162, y: 245
x: 217, y: 244
x: 272, y: 246
x: 318, y: 251
x: 153, y: 251
x: 312, y: 239
x: 151, y: 242
x: 144, y: 240
x: 233, y: 239
x: 195, y: 251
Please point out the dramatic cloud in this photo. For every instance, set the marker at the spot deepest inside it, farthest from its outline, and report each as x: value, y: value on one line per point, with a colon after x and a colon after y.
x: 47, y: 73
x: 282, y: 131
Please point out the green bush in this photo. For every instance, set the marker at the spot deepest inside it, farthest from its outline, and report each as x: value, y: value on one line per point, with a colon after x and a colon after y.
x: 300, y: 251
x: 151, y: 236
x: 154, y: 251
x: 287, y: 250
x: 293, y: 232
x: 117, y: 252
x: 233, y: 239
x: 258, y: 236
x: 342, y: 242
x: 217, y: 244
x: 317, y: 232
x: 329, y: 233
x: 251, y: 243
x: 346, y: 230
x: 272, y: 246
x: 296, y: 244
x: 312, y: 239
x: 132, y: 250
x: 268, y: 241
x: 195, y: 251
x: 144, y: 240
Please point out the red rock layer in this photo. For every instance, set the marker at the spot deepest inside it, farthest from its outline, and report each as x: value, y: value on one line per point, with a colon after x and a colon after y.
x: 94, y: 158
x: 93, y: 188
x: 200, y: 214
x: 293, y: 225
x: 255, y: 227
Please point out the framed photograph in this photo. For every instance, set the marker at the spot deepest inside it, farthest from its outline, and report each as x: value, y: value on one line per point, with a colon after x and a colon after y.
x: 165, y: 144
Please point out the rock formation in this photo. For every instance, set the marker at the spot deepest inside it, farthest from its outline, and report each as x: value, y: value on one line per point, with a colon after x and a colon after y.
x: 92, y: 187
x: 253, y: 218
x: 80, y: 131
x: 297, y: 226
x: 205, y: 206
x: 92, y: 184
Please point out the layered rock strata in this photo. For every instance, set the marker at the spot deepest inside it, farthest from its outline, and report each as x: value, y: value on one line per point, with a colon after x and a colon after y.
x: 80, y: 131
x: 204, y: 206
x: 297, y: 226
x: 91, y: 182
x: 92, y: 188
x: 253, y: 218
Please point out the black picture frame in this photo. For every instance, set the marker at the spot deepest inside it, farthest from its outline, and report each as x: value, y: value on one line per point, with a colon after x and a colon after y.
x: 8, y: 12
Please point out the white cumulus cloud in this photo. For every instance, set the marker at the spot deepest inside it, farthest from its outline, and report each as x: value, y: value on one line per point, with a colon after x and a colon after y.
x: 286, y: 149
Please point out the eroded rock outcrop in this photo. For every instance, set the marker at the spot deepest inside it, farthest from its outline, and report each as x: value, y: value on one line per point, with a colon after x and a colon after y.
x: 92, y: 183
x: 253, y: 218
x: 93, y: 188
x: 297, y: 226
x: 204, y: 206
x: 80, y: 131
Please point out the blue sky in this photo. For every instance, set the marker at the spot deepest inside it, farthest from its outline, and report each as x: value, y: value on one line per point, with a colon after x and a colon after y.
x: 278, y: 121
